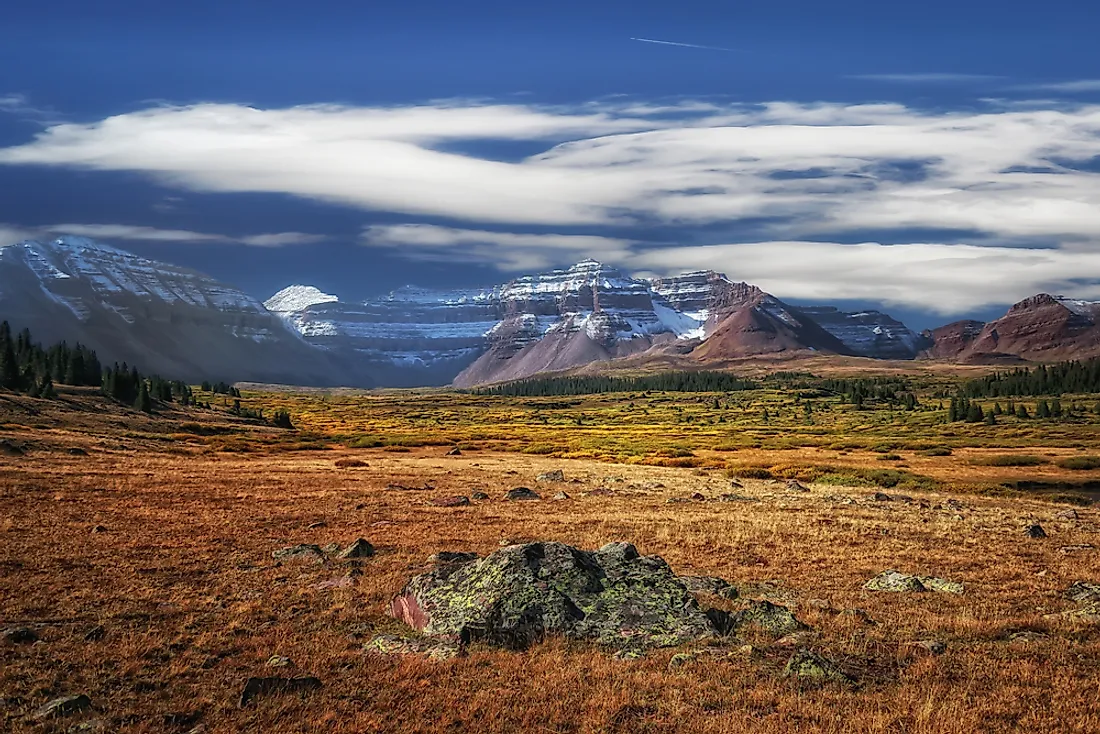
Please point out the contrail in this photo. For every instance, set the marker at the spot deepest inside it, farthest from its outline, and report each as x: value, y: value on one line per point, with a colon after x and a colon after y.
x: 684, y: 45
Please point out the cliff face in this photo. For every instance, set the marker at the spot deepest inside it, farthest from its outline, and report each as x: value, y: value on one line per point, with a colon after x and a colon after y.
x: 869, y: 333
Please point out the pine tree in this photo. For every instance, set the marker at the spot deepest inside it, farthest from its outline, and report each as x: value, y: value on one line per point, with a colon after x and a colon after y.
x: 1056, y: 408
x: 1021, y: 412
x: 1042, y: 410
x: 143, y: 402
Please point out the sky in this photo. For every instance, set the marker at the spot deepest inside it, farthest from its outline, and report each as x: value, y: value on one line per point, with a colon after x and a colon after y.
x: 938, y: 160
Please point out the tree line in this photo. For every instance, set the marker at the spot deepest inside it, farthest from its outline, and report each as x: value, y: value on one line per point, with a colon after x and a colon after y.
x: 1073, y: 377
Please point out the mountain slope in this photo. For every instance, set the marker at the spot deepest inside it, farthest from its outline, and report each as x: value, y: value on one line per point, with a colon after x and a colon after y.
x: 165, y: 318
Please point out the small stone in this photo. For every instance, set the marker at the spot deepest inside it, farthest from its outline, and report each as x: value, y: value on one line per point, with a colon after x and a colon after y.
x: 710, y: 585
x: 454, y: 452
x: 99, y: 529
x: 317, y: 525
x: 730, y: 497
x: 91, y: 725
x: 1088, y: 613
x: 1027, y: 637
x: 935, y: 647
x: 522, y: 493
x: 479, y: 496
x: 1067, y: 515
x: 260, y: 687
x: 698, y: 497
x: 859, y: 614
x: 600, y: 492
x: 882, y: 497
x: 809, y: 666
x: 301, y: 552
x: 627, y: 654
x: 278, y: 661
x: 1083, y: 591
x: 793, y: 485
x: 557, y: 475
x: 736, y: 484
x: 797, y: 639
x: 561, y: 496
x: 452, y: 557
x: 331, y: 548
x: 397, y: 645
x: 943, y: 586
x: 64, y: 706
x: 894, y: 582
x: 95, y: 634
x: 20, y: 636
x: 457, y: 500
x: 1035, y: 530
x: 359, y: 549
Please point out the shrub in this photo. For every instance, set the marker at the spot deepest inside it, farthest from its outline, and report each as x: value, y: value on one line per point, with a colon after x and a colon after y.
x: 889, y: 457
x: 751, y: 472
x: 350, y: 463
x: 1010, y: 460
x: 937, y: 451
x: 1080, y: 463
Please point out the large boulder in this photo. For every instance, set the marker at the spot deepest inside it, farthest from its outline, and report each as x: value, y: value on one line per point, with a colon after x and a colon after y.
x: 521, y: 593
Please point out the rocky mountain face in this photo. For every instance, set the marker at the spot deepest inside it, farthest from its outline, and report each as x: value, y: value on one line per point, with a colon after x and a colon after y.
x: 165, y: 318
x: 869, y: 333
x: 1042, y: 328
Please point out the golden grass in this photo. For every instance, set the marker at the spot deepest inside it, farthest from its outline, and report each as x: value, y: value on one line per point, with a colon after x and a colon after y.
x: 183, y: 581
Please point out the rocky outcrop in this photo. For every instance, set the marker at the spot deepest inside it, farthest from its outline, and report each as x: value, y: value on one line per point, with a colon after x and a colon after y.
x: 869, y: 333
x: 521, y: 593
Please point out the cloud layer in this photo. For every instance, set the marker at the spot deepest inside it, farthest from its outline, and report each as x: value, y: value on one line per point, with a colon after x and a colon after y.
x: 788, y: 186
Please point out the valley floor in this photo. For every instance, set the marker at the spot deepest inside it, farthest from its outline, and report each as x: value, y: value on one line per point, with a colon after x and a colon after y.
x: 168, y: 549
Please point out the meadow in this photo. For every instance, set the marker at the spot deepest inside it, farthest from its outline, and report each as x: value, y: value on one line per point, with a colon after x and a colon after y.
x: 139, y: 550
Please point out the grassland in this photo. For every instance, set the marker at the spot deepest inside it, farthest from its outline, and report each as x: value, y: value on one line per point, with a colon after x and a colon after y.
x: 160, y: 530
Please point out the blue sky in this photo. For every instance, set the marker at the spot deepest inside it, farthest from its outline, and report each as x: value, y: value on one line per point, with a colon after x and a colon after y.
x: 939, y: 158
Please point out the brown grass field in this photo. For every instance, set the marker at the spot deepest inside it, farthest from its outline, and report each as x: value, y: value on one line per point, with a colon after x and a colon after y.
x: 162, y: 533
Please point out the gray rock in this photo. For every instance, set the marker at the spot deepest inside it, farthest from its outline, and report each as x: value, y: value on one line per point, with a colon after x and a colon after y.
x: 479, y: 496
x: 64, y: 706
x: 793, y: 485
x: 557, y: 475
x: 943, y: 586
x: 1067, y: 515
x: 935, y: 647
x: 731, y: 497
x: 561, y: 496
x: 455, y: 452
x: 20, y: 636
x: 809, y: 666
x: 359, y: 549
x: 775, y: 620
x: 1088, y: 613
x: 457, y: 500
x: 882, y: 497
x: 302, y: 552
x: 522, y: 493
x: 522, y: 593
x: 1083, y: 591
x: 894, y: 582
x: 1035, y: 530
x: 263, y: 687
x: 330, y: 548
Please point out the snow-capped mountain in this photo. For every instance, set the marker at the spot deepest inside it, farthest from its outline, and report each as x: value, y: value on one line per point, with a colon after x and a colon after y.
x: 869, y: 333
x: 160, y: 316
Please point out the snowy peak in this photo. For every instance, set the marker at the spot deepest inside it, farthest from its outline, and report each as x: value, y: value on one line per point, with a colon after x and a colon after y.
x: 869, y: 333
x: 296, y: 298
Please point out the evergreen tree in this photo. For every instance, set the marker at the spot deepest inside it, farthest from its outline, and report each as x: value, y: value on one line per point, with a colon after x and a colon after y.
x: 1056, y: 408
x: 997, y: 410
x: 1042, y: 410
x: 143, y: 401
x: 1021, y: 411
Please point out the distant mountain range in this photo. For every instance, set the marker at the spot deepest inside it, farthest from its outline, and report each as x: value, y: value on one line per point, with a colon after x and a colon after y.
x: 183, y: 323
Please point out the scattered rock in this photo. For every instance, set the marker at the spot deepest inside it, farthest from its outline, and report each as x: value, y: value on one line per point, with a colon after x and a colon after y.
x: 793, y: 485
x: 698, y: 497
x: 91, y: 725
x: 1067, y: 515
x: 561, y: 496
x: 457, y: 500
x: 899, y: 582
x: 776, y: 620
x: 710, y: 585
x: 600, y: 492
x: 359, y: 549
x: 1035, y: 530
x: 397, y: 645
x: 1083, y: 591
x: 895, y: 582
x: 479, y: 496
x: 64, y: 706
x: 330, y: 548
x: 809, y: 666
x: 882, y: 497
x: 935, y: 647
x: 797, y: 639
x: 859, y: 614
x: 522, y: 493
x: 278, y: 661
x: 557, y: 475
x: 952, y: 505
x: 521, y: 593
x: 20, y: 636
x: 1027, y: 636
x: 77, y: 451
x: 653, y: 485
x: 317, y: 525
x: 95, y: 634
x: 730, y: 497
x: 351, y: 464
x: 343, y: 582
x: 629, y: 653
x: 1076, y: 548
x: 736, y: 484
x: 260, y: 687
x: 454, y: 452
x: 99, y: 529
x: 452, y: 557
x: 1088, y: 613
x: 10, y: 448
x: 301, y: 552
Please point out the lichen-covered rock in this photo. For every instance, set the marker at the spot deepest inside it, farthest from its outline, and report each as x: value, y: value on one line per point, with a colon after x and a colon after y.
x: 775, y: 620
x: 521, y: 593
x: 561, y: 496
x: 452, y: 557
x: 479, y: 496
x: 302, y: 552
x: 898, y: 582
x: 810, y: 666
x: 557, y: 475
x: 522, y: 493
x: 1083, y: 591
x: 64, y: 706
x: 19, y: 635
x: 680, y: 660
x: 1088, y: 613
x: 710, y: 585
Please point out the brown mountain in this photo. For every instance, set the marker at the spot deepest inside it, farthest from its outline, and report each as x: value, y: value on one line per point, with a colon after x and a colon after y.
x: 1042, y: 328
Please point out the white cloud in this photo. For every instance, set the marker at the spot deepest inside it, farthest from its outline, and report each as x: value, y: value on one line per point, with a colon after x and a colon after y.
x: 1074, y: 86
x: 925, y: 78
x: 810, y: 171
x: 109, y: 232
